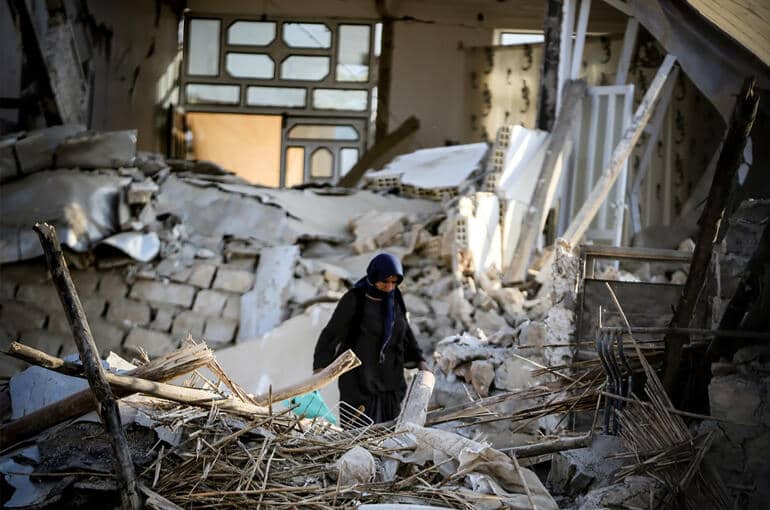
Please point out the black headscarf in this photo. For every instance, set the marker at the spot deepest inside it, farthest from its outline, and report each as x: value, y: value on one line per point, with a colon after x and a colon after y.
x: 381, y: 267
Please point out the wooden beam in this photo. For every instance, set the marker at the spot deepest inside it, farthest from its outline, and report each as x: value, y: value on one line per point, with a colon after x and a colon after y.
x: 107, y: 404
x: 371, y: 157
x: 654, y: 130
x: 546, y: 447
x: 415, y: 407
x: 730, y: 159
x: 580, y: 39
x: 549, y: 82
x: 558, y: 150
x: 610, y: 174
x: 384, y: 72
x: 629, y: 44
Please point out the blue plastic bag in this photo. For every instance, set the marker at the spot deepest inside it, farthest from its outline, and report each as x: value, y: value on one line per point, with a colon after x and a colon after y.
x: 311, y: 405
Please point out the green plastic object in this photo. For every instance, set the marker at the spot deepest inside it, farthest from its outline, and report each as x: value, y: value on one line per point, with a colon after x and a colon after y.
x: 311, y: 405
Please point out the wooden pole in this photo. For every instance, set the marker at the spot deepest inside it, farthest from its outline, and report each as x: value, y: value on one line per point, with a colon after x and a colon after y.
x: 557, y: 445
x: 371, y: 157
x: 623, y: 149
x: 744, y: 112
x: 559, y: 147
x: 161, y: 369
x: 549, y: 83
x: 415, y: 406
x: 107, y: 406
x: 384, y: 73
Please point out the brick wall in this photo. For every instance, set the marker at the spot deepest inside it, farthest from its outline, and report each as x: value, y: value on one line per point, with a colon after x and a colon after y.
x: 152, y: 307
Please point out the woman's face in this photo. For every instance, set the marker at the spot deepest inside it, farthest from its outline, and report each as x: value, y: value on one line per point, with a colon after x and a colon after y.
x: 388, y: 284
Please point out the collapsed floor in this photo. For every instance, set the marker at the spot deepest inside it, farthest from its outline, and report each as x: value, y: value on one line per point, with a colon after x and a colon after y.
x: 163, y: 249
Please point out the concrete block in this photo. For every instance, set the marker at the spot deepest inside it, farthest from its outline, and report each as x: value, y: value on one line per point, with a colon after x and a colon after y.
x: 168, y: 293
x: 85, y: 281
x: 128, y: 312
x: 482, y: 373
x: 210, y: 302
x: 108, y: 337
x: 202, y: 275
x: 189, y: 322
x: 110, y: 149
x: 233, y: 280
x: 35, y: 152
x: 174, y: 269
x: 113, y: 286
x: 154, y: 342
x: 164, y: 317
x: 92, y: 305
x: 232, y: 308
x: 416, y: 305
x: 25, y: 272
x: 141, y: 192
x: 219, y: 331
x: 43, y: 296
x: 17, y: 316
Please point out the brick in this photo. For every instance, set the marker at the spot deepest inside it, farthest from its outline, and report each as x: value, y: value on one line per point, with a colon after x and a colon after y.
x: 17, y: 316
x: 93, y: 306
x: 232, y: 308
x: 210, y: 302
x: 154, y: 342
x: 219, y: 331
x: 168, y: 293
x: 25, y: 272
x: 113, y: 286
x: 189, y: 322
x: 128, y: 312
x: 174, y: 269
x: 202, y: 275
x: 46, y: 341
x: 164, y: 317
x: 233, y: 280
x: 246, y: 262
x: 85, y: 282
x: 108, y: 337
x: 43, y: 296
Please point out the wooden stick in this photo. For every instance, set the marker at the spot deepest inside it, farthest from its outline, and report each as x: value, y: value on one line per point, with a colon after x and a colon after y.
x: 557, y: 445
x: 345, y: 362
x: 559, y: 147
x: 164, y: 368
x: 107, y: 407
x: 520, y: 472
x: 729, y: 161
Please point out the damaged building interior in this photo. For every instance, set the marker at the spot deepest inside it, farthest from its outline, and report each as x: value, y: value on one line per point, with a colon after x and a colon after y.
x: 578, y: 192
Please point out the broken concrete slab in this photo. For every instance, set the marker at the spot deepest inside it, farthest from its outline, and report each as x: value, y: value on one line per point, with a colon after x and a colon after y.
x: 141, y: 192
x: 109, y: 149
x: 262, y: 309
x: 36, y: 151
x: 142, y: 247
x: 578, y: 471
x: 37, y: 387
x: 515, y: 374
x: 632, y: 492
x: 376, y: 229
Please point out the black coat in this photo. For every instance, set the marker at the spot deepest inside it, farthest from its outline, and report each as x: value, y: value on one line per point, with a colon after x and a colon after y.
x: 375, y: 383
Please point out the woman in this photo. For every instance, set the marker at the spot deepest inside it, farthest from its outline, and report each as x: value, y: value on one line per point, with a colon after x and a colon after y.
x: 371, y: 319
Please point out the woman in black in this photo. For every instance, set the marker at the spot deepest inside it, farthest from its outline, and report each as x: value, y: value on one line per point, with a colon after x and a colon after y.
x: 371, y: 319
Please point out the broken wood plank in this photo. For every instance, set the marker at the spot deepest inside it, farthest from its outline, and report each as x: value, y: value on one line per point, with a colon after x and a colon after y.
x: 580, y: 39
x: 610, y: 174
x: 558, y: 150
x: 372, y: 157
x: 345, y: 362
x: 384, y: 73
x: 744, y: 113
x: 164, y: 368
x: 549, y: 84
x: 415, y: 406
x: 107, y: 407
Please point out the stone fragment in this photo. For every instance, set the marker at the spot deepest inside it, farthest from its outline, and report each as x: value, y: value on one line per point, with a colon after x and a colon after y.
x: 577, y: 471
x: 141, y: 192
x: 112, y: 286
x: 163, y: 293
x: 514, y: 374
x: 356, y: 466
x: 232, y: 308
x: 35, y: 152
x: 459, y: 307
x: 375, y: 229
x: 735, y: 398
x: 489, y: 321
x: 233, y: 280
x: 440, y: 307
x: 482, y: 374
x: 202, y: 275
x: 219, y: 331
x: 301, y: 290
x: 189, y: 322
x: 415, y: 305
x: 154, y: 342
x: 632, y: 492
x: 110, y: 149
x: 128, y: 312
x: 679, y: 277
x: 533, y: 333
x: 164, y: 317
